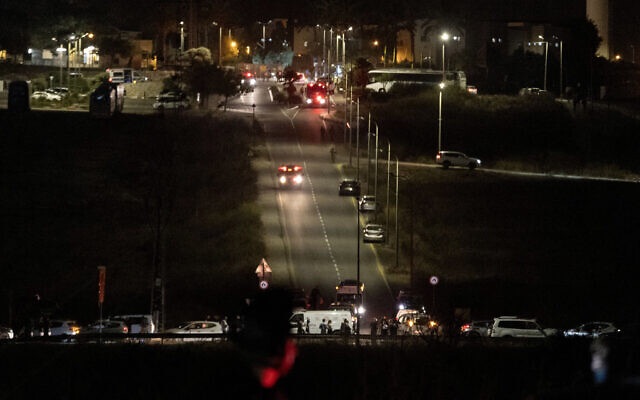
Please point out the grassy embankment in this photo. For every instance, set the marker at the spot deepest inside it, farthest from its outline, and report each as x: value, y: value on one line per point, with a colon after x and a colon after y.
x: 136, y: 194
x: 559, y: 250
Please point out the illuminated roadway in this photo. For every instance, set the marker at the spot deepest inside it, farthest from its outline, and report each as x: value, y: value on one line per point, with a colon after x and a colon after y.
x: 310, y: 233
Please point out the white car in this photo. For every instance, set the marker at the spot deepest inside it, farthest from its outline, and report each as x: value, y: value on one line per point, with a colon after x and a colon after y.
x: 6, y: 333
x: 373, y: 233
x: 592, y: 330
x: 61, y: 327
x: 367, y: 203
x: 515, y: 327
x: 138, y: 323
x: 172, y: 100
x: 46, y: 95
x: 198, y: 327
x: 456, y: 159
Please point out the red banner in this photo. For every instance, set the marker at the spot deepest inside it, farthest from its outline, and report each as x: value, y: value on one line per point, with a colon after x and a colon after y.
x: 102, y: 278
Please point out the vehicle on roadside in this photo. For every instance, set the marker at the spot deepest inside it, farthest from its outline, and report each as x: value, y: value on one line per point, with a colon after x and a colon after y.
x: 413, y: 322
x: 45, y: 95
x: 62, y: 91
x: 476, y: 328
x: 408, y: 300
x: 516, y: 327
x: 350, y: 187
x: 299, y: 319
x: 290, y: 176
x: 367, y: 203
x: 456, y: 159
x: 63, y: 327
x: 373, y: 233
x: 592, y: 330
x: 6, y: 333
x: 105, y: 326
x: 350, y: 291
x: 196, y: 328
x: 137, y: 323
x: 171, y: 101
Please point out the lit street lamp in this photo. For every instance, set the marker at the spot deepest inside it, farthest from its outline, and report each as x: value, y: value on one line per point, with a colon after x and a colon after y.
x: 219, y: 42
x: 546, y: 55
x: 441, y: 86
x: 61, y: 51
x: 181, y: 37
x: 444, y: 37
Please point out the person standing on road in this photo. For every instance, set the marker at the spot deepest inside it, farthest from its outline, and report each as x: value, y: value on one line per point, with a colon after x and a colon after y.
x: 384, y: 331
x: 374, y: 328
x: 323, y: 327
x: 329, y: 328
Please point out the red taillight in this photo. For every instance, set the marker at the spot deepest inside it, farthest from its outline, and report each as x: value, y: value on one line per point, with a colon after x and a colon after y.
x: 125, y: 329
x: 464, y: 327
x: 438, y: 156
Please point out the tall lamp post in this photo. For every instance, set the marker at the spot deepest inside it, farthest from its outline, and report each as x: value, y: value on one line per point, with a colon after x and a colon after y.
x: 181, y: 37
x: 61, y: 51
x: 219, y: 41
x: 546, y: 56
x: 444, y: 37
x: 441, y: 86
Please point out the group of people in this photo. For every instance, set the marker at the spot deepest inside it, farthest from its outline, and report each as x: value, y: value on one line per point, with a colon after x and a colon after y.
x: 384, y: 327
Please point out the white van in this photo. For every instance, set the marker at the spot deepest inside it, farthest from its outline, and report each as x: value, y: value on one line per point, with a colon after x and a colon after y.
x: 138, y: 323
x: 120, y: 75
x: 315, y: 318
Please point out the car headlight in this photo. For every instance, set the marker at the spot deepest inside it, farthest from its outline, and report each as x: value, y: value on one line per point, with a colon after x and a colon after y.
x: 297, y: 179
x: 283, y: 179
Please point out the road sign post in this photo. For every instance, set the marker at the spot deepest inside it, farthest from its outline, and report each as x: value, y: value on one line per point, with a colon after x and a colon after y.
x: 433, y: 281
x: 263, y: 272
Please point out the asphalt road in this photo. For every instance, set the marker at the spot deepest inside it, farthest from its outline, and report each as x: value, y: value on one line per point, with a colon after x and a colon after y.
x: 312, y: 233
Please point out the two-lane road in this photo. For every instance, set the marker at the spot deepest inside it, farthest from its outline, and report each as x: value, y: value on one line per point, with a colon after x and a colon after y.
x: 311, y: 233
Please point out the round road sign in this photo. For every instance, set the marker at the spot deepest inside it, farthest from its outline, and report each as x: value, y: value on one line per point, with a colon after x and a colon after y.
x: 433, y: 280
x: 264, y: 284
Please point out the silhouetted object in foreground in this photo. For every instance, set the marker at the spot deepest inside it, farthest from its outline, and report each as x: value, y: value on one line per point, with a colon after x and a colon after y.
x: 264, y: 339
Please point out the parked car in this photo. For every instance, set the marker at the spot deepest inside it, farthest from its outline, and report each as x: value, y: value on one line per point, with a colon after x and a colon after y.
x: 105, y: 326
x: 137, y: 323
x: 6, y: 333
x: 516, y: 327
x: 476, y: 328
x: 61, y: 327
x: 62, y: 91
x: 197, y: 327
x: 350, y: 187
x: 592, y: 330
x: 44, y: 95
x: 172, y: 100
x: 456, y: 159
x: 373, y: 233
x: 367, y: 203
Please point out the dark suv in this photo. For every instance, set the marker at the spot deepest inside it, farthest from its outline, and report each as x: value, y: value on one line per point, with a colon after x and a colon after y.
x: 350, y: 187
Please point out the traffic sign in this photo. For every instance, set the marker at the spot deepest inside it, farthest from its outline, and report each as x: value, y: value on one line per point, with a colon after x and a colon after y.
x: 264, y: 285
x: 433, y: 280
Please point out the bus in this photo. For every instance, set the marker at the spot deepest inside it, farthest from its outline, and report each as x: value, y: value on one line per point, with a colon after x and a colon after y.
x: 384, y: 79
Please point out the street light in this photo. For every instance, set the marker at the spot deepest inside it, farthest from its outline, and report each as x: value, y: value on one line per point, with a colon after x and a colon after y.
x: 546, y: 54
x: 444, y: 37
x: 219, y: 41
x: 60, y: 51
x: 181, y: 37
x: 441, y: 86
